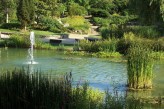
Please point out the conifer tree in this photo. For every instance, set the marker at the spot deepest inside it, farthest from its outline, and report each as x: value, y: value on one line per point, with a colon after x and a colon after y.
x: 25, y: 12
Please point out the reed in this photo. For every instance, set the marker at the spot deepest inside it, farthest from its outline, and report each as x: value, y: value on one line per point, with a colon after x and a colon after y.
x: 22, y: 90
x: 139, y: 66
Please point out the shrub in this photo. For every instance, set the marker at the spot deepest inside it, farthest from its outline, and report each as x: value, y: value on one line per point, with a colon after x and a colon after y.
x: 99, y: 12
x: 51, y: 25
x: 19, y: 40
x: 130, y: 38
x: 125, y: 42
x: 11, y: 25
x: 105, y: 33
x: 101, y: 21
x: 74, y: 9
x: 2, y: 43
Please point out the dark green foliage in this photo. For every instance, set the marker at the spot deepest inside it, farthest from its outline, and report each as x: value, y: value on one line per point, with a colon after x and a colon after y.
x: 51, y: 25
x: 148, y: 11
x: 75, y: 9
x: 105, y: 5
x: 99, y: 12
x: 7, y: 10
x: 22, y: 89
x: 114, y: 26
x: 105, y: 33
x: 25, y: 12
x: 10, y: 25
x: 158, y: 45
x: 129, y: 38
x: 113, y: 31
x: 113, y: 102
x: 2, y: 43
x: 19, y: 40
x: 146, y: 31
x: 84, y: 3
x: 109, y: 45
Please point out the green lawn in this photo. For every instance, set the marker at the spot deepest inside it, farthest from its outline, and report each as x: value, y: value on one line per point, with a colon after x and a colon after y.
x: 7, y: 30
x: 37, y: 32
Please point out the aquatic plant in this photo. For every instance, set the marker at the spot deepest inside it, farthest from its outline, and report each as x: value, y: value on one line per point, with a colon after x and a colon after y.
x: 139, y: 66
x: 21, y: 89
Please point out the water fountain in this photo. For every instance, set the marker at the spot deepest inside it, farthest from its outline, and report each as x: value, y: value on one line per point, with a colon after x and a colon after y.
x: 30, y: 51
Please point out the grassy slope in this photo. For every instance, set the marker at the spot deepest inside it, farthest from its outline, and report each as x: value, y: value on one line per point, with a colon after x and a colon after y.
x: 37, y: 32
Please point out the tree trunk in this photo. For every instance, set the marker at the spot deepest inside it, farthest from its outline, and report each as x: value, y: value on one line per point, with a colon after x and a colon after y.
x: 7, y: 16
x: 25, y: 28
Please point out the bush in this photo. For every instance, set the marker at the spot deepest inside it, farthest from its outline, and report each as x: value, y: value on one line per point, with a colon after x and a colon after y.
x: 74, y: 9
x: 125, y: 42
x: 19, y: 40
x: 11, y: 25
x: 101, y: 21
x: 51, y: 25
x: 2, y: 43
x: 95, y: 12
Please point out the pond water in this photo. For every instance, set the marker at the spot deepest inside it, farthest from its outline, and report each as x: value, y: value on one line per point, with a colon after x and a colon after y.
x: 100, y: 73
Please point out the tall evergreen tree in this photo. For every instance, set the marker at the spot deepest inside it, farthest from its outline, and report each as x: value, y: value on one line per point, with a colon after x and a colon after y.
x: 25, y: 12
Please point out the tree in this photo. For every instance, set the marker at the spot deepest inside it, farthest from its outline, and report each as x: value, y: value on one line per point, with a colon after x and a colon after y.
x: 76, y: 9
x: 7, y: 9
x: 147, y: 10
x: 162, y: 8
x: 84, y: 3
x: 25, y: 12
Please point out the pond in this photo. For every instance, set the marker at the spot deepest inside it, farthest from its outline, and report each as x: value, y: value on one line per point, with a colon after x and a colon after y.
x: 100, y: 73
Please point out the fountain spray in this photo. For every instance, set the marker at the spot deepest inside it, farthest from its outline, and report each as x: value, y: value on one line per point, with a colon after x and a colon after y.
x: 32, y: 41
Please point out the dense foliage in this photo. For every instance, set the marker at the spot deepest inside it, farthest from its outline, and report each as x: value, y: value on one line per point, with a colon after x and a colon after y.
x: 139, y: 67
x: 112, y: 16
x: 22, y: 89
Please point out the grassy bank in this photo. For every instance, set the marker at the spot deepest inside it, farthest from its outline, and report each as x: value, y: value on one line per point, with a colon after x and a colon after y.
x: 22, y: 90
x: 100, y: 48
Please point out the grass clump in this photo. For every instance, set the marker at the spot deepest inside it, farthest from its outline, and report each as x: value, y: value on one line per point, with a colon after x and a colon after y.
x: 139, y: 67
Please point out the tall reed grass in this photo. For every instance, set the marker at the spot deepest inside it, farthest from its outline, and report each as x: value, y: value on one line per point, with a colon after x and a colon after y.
x: 139, y: 66
x: 19, y: 89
